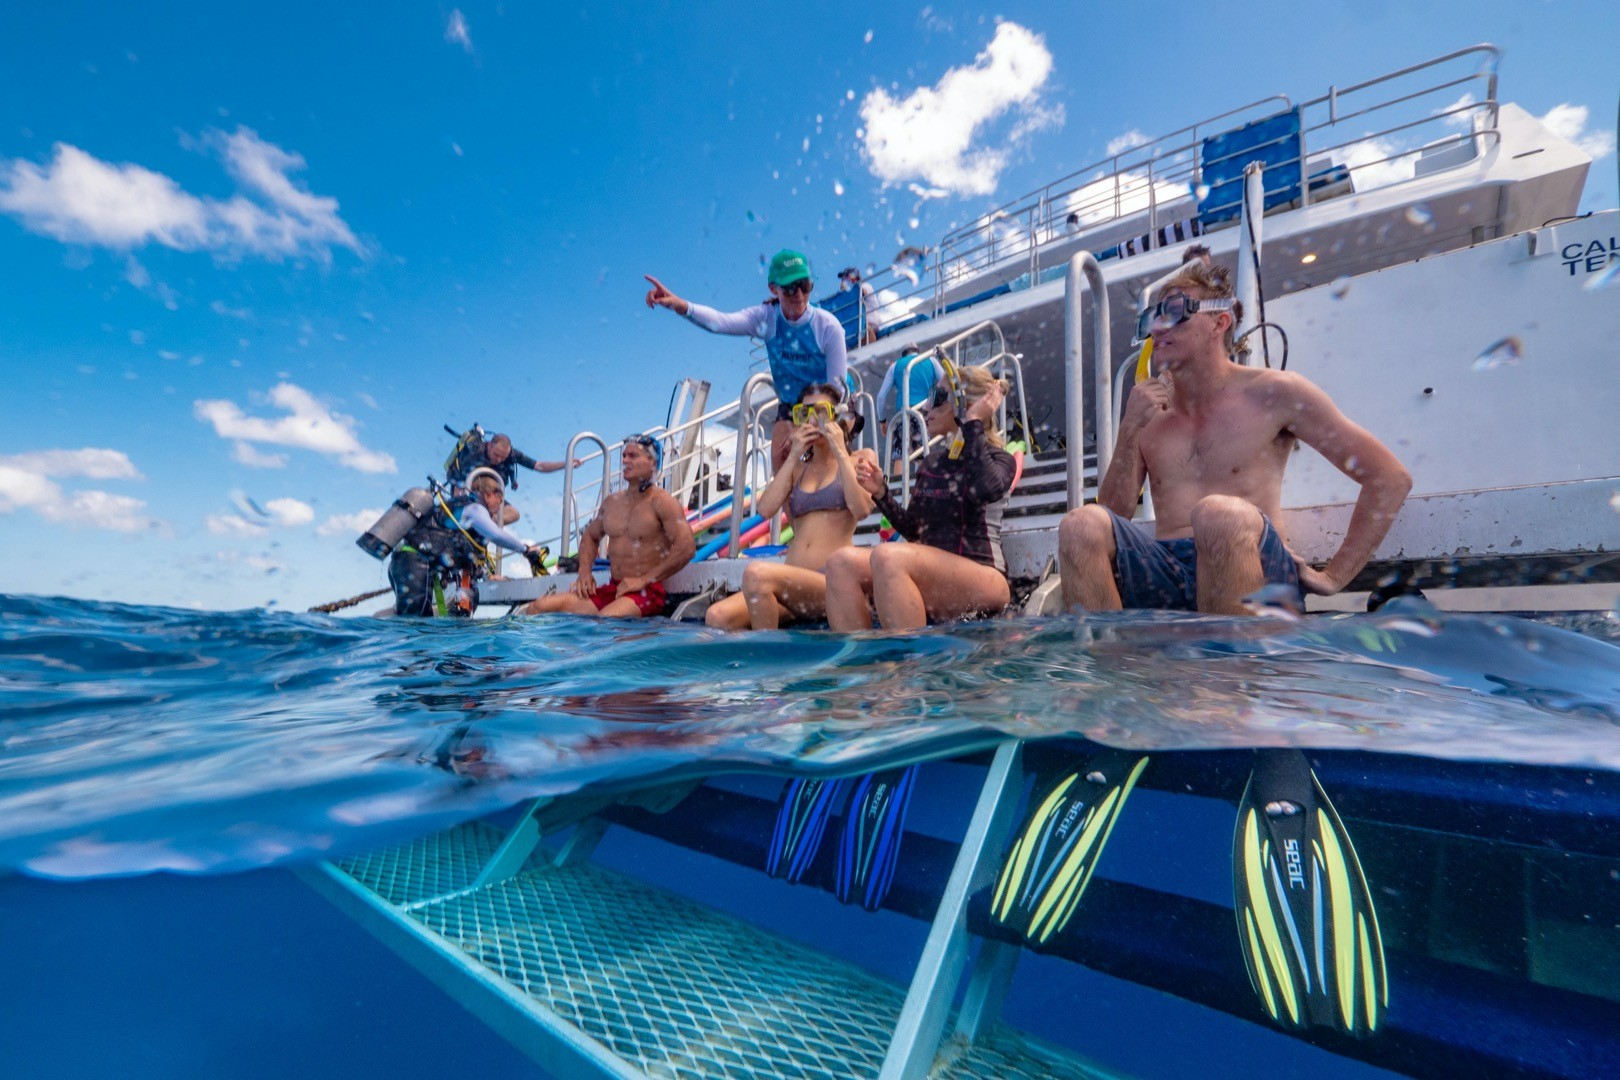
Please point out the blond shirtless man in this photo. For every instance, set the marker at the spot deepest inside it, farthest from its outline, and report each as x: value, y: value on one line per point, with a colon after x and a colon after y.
x: 648, y: 541
x: 1213, y: 437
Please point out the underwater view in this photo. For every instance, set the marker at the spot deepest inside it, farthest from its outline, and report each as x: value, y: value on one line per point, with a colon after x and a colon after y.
x: 1112, y: 570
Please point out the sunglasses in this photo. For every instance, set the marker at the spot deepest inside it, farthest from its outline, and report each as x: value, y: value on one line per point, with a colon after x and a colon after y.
x: 1176, y: 309
x: 793, y: 288
x: 808, y: 413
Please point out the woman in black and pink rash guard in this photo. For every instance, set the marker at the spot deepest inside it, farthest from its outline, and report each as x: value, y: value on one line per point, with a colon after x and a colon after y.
x: 954, y: 567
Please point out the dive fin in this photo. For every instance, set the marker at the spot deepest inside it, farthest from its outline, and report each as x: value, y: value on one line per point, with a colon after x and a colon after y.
x: 869, y: 848
x: 801, y: 821
x: 1305, y: 915
x: 1051, y: 862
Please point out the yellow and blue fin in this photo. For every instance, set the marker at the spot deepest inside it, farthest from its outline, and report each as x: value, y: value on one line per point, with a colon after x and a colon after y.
x: 1049, y: 865
x: 1305, y: 915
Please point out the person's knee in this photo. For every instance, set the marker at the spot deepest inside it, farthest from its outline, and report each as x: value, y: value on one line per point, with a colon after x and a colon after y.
x: 844, y: 567
x: 756, y: 580
x: 889, y: 559
x: 1086, y: 530
x: 1225, y: 521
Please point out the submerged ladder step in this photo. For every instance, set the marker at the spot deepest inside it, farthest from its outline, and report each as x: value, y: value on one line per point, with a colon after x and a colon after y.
x: 610, y: 971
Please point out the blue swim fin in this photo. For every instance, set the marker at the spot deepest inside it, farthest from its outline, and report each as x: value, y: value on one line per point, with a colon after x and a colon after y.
x: 801, y: 821
x: 869, y: 848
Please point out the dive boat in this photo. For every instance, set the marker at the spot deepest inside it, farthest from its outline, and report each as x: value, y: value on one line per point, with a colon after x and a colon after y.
x: 1419, y: 242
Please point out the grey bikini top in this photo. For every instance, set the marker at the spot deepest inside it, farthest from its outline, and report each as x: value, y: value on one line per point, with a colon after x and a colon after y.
x: 831, y: 497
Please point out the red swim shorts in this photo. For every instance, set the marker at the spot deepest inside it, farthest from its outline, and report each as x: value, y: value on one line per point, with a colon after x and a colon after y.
x: 649, y: 601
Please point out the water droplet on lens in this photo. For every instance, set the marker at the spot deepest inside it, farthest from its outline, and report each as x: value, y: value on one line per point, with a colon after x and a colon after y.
x: 1202, y: 191
x: 1340, y: 287
x: 838, y: 187
x: 868, y: 38
x: 1510, y: 350
x: 1614, y: 502
x: 1607, y: 276
x: 1419, y: 215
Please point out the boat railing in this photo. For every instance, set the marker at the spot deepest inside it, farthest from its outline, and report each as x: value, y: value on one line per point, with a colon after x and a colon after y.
x: 1361, y: 137
x: 702, y: 449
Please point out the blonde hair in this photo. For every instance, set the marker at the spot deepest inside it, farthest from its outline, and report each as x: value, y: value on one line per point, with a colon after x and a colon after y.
x: 976, y: 382
x: 485, y: 485
x: 1213, y: 282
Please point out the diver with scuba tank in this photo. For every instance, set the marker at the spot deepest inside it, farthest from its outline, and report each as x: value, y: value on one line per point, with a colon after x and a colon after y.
x: 437, y: 545
x: 474, y: 450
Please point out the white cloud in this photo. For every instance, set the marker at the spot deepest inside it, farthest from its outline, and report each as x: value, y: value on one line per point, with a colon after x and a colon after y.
x: 1569, y: 122
x: 1128, y: 141
x: 247, y: 454
x: 289, y: 512
x: 90, y: 463
x: 308, y: 425
x: 233, y: 525
x: 455, y: 31
x: 29, y: 480
x: 1458, y: 114
x: 1373, y: 163
x: 98, y: 510
x: 348, y: 524
x: 79, y: 199
x: 219, y: 307
x: 934, y: 133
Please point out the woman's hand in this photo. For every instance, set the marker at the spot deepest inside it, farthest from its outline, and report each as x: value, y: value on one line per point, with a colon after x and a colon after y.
x: 800, y: 441
x: 985, y: 407
x: 834, y: 434
x: 869, y: 474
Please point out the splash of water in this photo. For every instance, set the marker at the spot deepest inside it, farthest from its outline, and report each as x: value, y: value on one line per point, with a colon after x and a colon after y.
x: 1509, y: 350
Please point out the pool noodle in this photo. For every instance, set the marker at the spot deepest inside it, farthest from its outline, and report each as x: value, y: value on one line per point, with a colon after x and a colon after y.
x: 707, y: 550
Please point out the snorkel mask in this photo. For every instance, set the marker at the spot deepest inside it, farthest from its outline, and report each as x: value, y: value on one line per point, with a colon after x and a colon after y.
x: 952, y: 388
x: 1174, y: 310
x: 807, y: 413
x: 653, y: 447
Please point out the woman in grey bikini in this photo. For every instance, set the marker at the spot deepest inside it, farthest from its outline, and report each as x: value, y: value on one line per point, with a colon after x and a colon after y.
x: 824, y: 501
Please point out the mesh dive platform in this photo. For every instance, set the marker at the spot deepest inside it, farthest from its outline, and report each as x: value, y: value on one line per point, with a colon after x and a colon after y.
x: 595, y: 974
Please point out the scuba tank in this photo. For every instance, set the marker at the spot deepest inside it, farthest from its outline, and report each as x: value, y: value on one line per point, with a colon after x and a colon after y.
x: 381, y: 539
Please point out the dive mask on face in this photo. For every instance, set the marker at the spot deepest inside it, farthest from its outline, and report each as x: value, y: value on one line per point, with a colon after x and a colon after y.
x: 807, y: 413
x: 1174, y: 310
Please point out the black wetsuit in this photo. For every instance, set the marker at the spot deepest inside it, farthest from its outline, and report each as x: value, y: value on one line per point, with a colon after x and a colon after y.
x: 431, y: 551
x: 475, y: 455
x: 956, y: 505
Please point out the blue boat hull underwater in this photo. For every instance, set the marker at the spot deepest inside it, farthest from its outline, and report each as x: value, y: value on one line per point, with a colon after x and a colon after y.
x: 1434, y: 918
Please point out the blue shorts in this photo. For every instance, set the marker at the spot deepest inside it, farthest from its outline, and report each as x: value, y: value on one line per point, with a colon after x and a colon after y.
x: 1154, y: 573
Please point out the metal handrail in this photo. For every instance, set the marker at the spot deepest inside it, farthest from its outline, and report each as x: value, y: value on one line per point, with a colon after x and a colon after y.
x: 744, y: 430
x: 1083, y: 266
x: 569, y: 524
x: 1169, y: 160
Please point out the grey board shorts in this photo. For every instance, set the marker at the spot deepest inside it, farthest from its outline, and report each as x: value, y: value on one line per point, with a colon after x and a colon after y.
x: 1154, y: 573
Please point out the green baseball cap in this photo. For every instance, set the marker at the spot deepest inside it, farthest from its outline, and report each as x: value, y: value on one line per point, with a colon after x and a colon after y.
x: 788, y: 266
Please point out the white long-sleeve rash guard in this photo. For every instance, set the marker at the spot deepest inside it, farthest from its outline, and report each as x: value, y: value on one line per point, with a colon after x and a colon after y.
x: 795, y: 363
x: 476, y: 518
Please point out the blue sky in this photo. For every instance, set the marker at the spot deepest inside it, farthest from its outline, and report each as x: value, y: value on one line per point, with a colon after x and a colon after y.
x: 266, y: 254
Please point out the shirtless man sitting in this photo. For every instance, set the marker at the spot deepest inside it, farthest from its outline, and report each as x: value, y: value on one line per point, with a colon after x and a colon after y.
x: 649, y: 541
x: 1213, y: 437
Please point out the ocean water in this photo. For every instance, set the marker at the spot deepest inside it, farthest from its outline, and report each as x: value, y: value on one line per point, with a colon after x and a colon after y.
x: 213, y: 746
